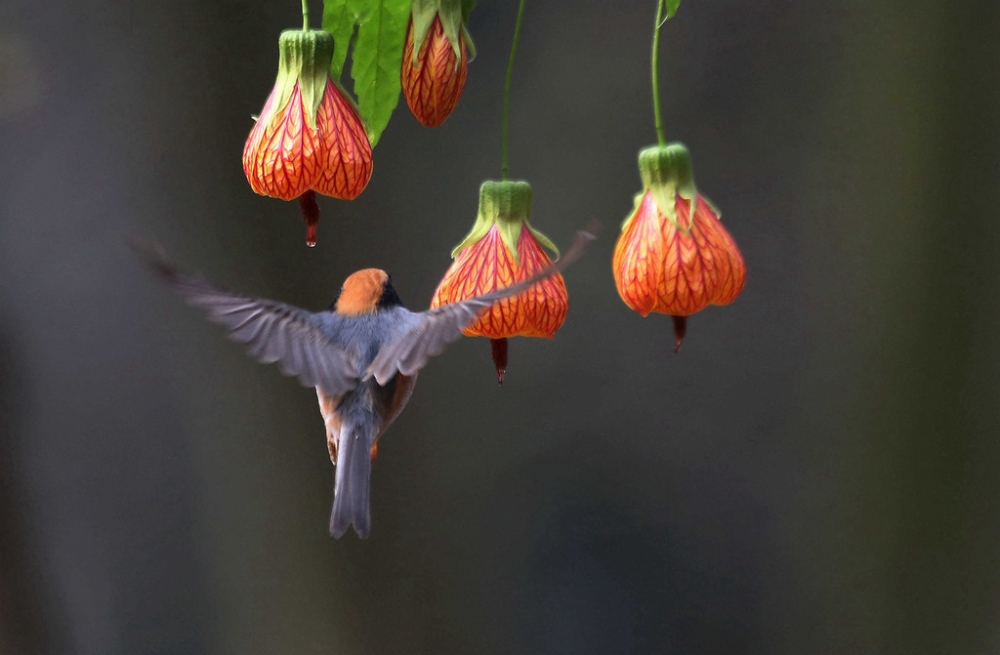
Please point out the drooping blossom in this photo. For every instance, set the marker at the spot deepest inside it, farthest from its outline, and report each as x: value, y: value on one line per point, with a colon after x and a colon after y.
x: 674, y: 256
x: 503, y: 249
x: 309, y: 137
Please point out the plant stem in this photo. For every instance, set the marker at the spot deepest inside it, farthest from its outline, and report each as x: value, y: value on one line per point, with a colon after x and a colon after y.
x: 656, y: 71
x: 305, y: 15
x: 506, y: 91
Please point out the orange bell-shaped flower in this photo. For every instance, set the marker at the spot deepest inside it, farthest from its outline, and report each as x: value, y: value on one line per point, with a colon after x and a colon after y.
x: 435, y: 61
x: 674, y: 256
x: 503, y: 249
x: 309, y: 137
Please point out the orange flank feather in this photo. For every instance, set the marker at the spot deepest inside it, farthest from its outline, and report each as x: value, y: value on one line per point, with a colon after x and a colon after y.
x: 331, y: 419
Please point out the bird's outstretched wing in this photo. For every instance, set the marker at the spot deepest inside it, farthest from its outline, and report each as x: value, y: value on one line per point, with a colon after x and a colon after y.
x: 274, y: 332
x: 428, y: 333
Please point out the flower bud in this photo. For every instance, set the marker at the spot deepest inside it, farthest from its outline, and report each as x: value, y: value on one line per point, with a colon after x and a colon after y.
x: 435, y: 61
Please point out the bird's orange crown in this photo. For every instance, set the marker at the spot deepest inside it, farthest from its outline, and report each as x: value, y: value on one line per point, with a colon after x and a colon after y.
x: 363, y: 292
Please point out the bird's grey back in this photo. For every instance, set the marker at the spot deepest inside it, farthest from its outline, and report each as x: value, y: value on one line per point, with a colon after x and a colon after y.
x: 363, y: 335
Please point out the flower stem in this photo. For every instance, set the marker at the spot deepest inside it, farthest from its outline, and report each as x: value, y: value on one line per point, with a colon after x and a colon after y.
x: 506, y: 91
x: 305, y: 15
x: 656, y: 71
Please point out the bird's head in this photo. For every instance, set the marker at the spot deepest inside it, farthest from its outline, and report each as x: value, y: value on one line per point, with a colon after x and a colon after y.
x: 366, y: 292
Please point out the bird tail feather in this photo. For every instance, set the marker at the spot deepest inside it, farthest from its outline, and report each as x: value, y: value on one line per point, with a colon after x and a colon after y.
x: 353, y: 480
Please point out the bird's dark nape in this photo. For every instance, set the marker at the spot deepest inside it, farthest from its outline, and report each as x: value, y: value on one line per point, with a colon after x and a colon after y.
x: 333, y: 305
x: 389, y: 297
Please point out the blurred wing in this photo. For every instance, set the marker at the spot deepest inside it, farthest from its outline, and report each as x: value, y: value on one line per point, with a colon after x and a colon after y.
x: 274, y: 332
x: 428, y: 333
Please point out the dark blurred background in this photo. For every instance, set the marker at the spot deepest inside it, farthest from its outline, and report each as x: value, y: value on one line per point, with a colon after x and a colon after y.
x: 817, y: 472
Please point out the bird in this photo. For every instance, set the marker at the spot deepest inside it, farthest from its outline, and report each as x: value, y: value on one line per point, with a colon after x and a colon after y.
x: 362, y: 355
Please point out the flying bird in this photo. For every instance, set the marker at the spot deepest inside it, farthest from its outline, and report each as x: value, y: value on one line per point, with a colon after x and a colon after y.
x: 362, y: 356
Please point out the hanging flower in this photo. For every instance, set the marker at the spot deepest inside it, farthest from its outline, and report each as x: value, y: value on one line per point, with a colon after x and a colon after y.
x: 674, y: 256
x: 435, y: 62
x: 309, y: 137
x: 503, y: 249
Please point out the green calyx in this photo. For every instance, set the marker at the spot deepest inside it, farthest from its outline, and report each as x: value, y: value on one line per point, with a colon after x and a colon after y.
x: 450, y: 12
x: 507, y: 205
x: 303, y: 57
x: 666, y: 171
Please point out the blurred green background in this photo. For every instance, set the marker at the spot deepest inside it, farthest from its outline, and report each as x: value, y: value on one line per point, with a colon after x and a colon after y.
x: 817, y: 472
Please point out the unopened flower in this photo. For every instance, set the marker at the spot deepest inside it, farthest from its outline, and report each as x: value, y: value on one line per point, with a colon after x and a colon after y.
x: 503, y: 249
x: 435, y: 61
x: 674, y: 256
x: 309, y: 137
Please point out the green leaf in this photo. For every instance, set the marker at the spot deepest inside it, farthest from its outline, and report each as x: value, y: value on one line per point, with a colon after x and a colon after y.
x: 467, y: 7
x: 377, y: 56
x: 339, y: 19
x: 672, y: 6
